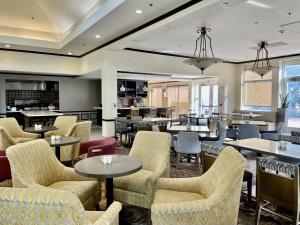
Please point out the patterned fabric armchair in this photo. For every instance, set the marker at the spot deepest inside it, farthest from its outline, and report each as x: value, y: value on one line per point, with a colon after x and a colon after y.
x: 212, y: 198
x: 15, y: 131
x: 64, y: 124
x: 81, y: 130
x: 34, y: 164
x: 153, y: 149
x: 47, y: 206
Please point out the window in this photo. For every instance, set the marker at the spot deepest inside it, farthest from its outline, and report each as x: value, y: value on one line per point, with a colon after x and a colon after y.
x: 257, y: 91
x: 209, y: 99
x: 178, y: 96
x: 156, y: 97
x: 292, y: 78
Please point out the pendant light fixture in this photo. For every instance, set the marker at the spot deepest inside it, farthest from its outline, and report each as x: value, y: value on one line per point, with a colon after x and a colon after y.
x: 201, y: 59
x: 262, y: 65
x: 145, y: 89
x: 122, y: 88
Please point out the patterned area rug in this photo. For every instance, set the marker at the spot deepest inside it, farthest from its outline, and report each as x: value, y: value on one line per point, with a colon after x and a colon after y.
x: 131, y: 215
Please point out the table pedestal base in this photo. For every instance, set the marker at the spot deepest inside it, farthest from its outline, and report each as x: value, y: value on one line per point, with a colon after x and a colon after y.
x: 109, y: 186
x: 57, y: 152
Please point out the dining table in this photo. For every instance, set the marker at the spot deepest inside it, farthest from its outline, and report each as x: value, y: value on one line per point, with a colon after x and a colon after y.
x: 41, y: 131
x: 121, y: 165
x: 267, y: 147
x: 192, y: 128
x: 62, y: 141
x: 154, y: 120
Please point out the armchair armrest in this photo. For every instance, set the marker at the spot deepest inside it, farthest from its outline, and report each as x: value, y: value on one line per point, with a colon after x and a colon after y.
x: 69, y: 174
x: 180, y: 184
x: 111, y: 215
x: 30, y: 135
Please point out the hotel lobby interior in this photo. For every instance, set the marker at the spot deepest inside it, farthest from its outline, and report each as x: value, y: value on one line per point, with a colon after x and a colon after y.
x: 141, y: 112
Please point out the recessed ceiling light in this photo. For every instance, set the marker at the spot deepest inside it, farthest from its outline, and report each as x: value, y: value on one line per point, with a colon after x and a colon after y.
x: 70, y: 53
x: 7, y: 46
x: 258, y: 4
x: 138, y: 11
x: 98, y: 36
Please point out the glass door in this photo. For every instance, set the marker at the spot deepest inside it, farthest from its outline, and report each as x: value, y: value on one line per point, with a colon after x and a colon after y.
x: 293, y: 88
x: 209, y: 99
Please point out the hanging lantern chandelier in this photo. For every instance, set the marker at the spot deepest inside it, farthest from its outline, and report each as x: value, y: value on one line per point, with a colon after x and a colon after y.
x: 262, y: 65
x: 201, y: 59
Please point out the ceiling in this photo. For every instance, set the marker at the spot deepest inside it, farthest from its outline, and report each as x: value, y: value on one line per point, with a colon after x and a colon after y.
x: 237, y: 26
x: 70, y: 26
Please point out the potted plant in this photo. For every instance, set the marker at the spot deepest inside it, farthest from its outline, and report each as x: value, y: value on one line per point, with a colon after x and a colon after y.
x: 281, y: 112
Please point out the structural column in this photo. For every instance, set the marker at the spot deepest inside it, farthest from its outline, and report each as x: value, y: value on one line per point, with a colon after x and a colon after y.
x: 109, y: 99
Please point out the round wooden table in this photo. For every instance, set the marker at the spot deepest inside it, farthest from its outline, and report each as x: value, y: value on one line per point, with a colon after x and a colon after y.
x: 61, y: 142
x: 121, y: 165
x: 41, y: 131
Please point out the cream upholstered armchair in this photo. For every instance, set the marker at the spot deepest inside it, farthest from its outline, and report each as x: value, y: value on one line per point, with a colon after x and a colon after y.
x: 46, y: 206
x: 13, y: 128
x: 63, y: 124
x: 81, y: 130
x: 212, y: 198
x: 153, y: 149
x: 34, y: 164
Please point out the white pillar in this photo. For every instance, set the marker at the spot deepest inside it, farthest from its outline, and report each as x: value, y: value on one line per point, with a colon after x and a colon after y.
x: 109, y: 99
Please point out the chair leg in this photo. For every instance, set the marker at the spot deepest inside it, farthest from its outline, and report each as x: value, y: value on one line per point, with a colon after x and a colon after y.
x: 198, y: 160
x: 177, y: 160
x: 258, y: 211
x: 249, y: 190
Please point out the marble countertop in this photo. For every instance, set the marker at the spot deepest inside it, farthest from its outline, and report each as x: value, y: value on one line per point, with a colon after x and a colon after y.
x: 41, y: 113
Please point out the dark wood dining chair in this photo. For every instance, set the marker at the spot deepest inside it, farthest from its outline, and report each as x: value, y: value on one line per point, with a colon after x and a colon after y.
x: 278, y: 184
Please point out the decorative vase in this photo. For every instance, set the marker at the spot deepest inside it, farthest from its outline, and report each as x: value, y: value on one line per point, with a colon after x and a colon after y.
x: 281, y: 115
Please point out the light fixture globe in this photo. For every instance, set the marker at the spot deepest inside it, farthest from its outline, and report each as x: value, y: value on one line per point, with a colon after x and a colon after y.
x: 200, y: 58
x: 262, y: 65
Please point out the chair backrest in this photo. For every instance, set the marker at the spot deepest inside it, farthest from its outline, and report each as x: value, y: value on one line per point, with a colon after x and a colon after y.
x: 5, y: 138
x: 135, y: 112
x: 153, y: 148
x: 12, y: 126
x: 209, y: 154
x: 107, y: 146
x: 40, y: 206
x: 187, y: 142
x: 81, y: 130
x: 249, y: 131
x: 222, y: 183
x: 33, y: 162
x: 64, y: 123
x: 153, y: 112
x: 278, y: 183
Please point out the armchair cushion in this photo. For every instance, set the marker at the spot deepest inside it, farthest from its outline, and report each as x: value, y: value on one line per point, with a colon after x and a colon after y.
x: 134, y: 182
x: 169, y: 196
x: 22, y: 139
x: 84, y: 190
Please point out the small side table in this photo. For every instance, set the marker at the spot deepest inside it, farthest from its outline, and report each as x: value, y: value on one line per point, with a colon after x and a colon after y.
x: 62, y: 142
x: 41, y: 131
x: 122, y: 165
